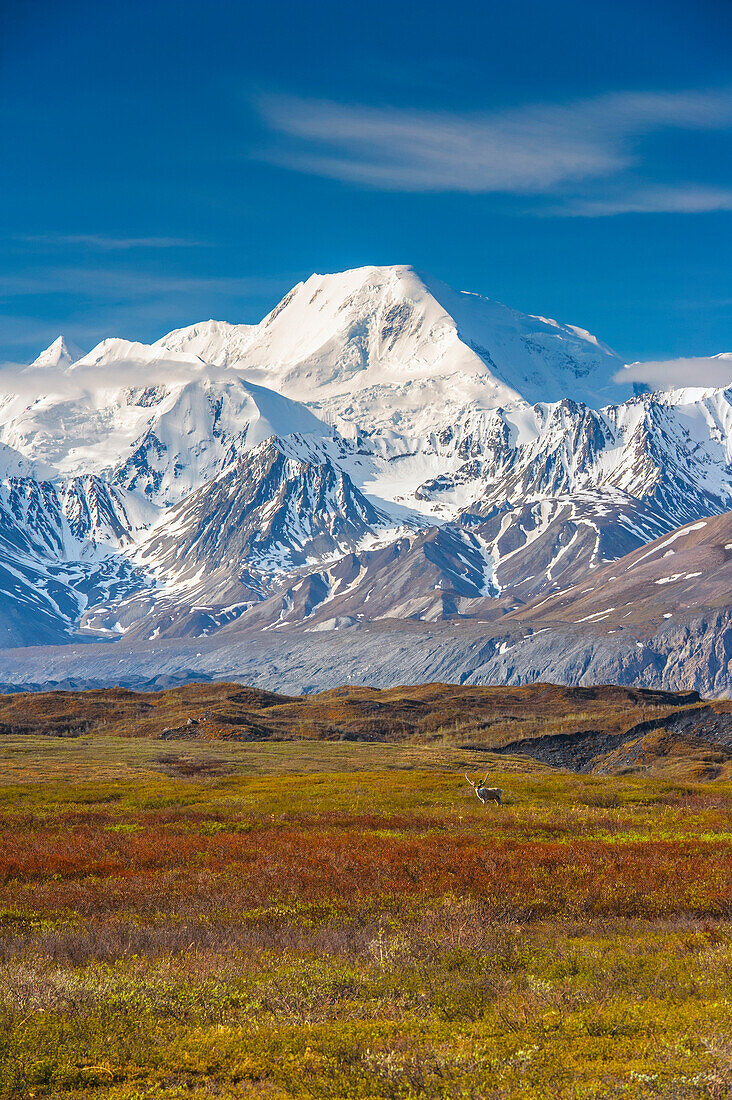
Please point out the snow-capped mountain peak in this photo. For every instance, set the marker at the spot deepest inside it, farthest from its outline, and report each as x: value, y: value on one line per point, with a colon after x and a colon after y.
x: 387, y: 349
x: 128, y: 355
x: 61, y: 353
x: 216, y: 342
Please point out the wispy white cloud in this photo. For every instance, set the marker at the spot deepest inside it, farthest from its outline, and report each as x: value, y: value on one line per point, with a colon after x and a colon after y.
x: 668, y: 374
x: 31, y: 383
x: 101, y: 282
x: 108, y: 244
x: 532, y: 150
x: 681, y: 199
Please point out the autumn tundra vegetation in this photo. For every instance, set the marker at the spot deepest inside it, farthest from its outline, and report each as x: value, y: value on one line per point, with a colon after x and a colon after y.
x: 309, y: 908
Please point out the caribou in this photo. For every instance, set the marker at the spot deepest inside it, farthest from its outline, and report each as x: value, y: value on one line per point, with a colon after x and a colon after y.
x: 486, y: 794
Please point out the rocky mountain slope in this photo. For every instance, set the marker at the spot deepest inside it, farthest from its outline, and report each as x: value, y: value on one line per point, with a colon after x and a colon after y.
x: 665, y: 580
x: 379, y: 458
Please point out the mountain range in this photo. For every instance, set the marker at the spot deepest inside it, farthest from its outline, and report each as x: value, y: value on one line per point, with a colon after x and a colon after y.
x: 383, y: 481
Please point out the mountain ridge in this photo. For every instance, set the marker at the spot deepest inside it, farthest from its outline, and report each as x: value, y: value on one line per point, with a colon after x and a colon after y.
x: 378, y: 450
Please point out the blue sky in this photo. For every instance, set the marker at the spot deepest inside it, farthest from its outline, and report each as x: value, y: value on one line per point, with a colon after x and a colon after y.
x: 164, y: 162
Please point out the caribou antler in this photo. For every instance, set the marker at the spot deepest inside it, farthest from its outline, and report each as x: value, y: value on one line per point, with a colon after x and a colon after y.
x: 486, y: 794
x: 481, y: 782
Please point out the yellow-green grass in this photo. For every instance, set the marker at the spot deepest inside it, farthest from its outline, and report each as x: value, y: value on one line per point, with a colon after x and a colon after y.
x: 35, y: 759
x: 346, y: 920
